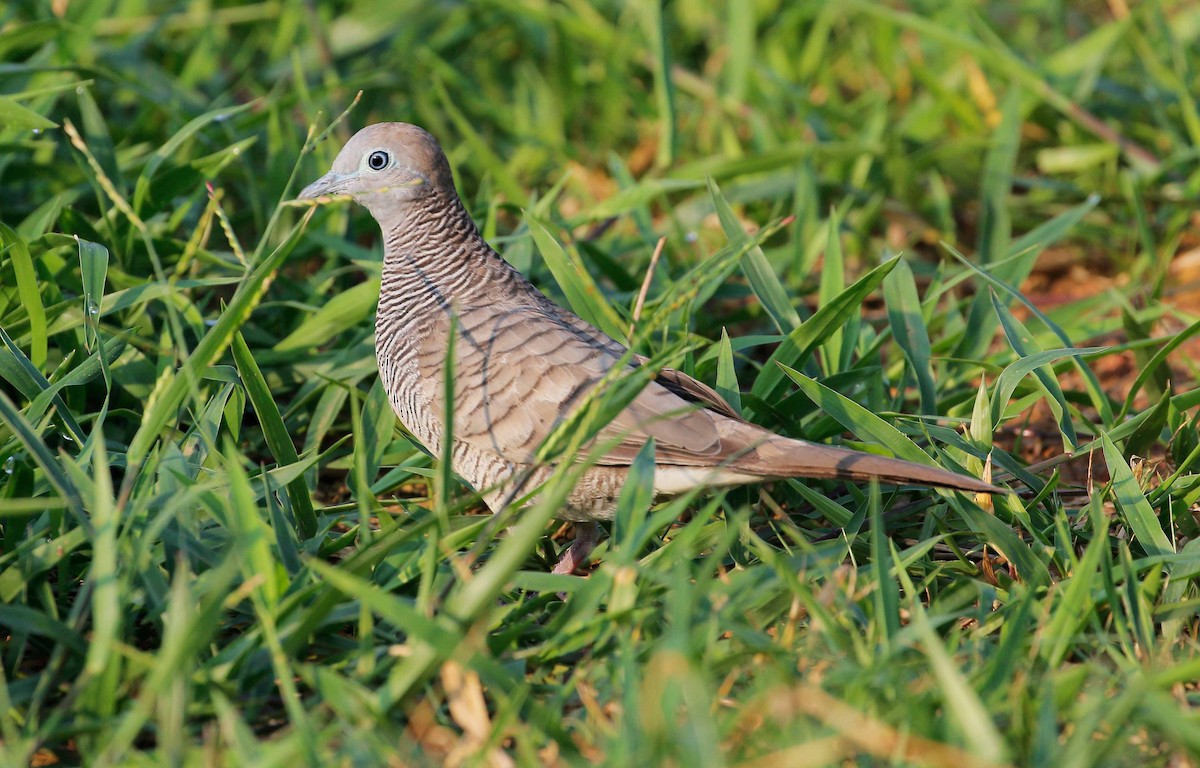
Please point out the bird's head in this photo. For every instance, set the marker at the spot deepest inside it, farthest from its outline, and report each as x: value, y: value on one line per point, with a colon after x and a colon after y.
x: 385, y: 167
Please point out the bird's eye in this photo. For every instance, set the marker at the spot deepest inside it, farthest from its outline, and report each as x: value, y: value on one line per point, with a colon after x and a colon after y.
x: 377, y: 160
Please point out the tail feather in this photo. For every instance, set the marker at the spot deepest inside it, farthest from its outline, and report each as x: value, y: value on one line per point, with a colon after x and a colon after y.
x: 784, y: 457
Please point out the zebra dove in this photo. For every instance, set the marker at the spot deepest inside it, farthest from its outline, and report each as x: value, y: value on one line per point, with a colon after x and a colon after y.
x: 522, y: 362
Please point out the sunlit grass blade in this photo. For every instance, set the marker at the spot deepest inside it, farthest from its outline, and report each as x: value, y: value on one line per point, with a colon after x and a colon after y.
x: 344, y: 310
x: 276, y: 433
x: 583, y: 295
x: 727, y: 384
x: 886, y: 597
x: 795, y: 350
x: 655, y: 23
x: 636, y: 497
x: 1025, y: 345
x: 908, y: 328
x: 1075, y: 599
x: 1012, y: 375
x: 171, y: 389
x: 857, y: 419
x: 1154, y: 364
x: 250, y: 534
x: 763, y: 280
x: 1150, y: 432
x: 995, y: 225
x: 1099, y: 399
x: 1136, y: 511
x: 839, y: 344
x: 103, y: 576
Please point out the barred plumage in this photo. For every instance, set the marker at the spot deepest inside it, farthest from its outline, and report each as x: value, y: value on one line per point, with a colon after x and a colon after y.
x: 522, y: 363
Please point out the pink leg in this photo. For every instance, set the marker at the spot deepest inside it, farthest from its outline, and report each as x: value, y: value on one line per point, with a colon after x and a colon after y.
x: 586, y: 537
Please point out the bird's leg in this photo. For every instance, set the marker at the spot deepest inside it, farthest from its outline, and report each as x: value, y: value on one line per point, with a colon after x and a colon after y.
x: 586, y: 537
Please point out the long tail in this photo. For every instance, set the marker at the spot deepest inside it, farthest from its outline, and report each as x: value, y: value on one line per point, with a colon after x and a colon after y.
x: 784, y: 457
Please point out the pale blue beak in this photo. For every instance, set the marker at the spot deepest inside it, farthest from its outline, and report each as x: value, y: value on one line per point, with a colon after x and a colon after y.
x: 329, y: 184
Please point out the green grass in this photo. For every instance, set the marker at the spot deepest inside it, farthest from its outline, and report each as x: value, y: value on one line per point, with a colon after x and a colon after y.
x: 217, y: 547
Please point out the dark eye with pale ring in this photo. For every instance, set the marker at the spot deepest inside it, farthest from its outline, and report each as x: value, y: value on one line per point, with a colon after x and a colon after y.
x: 377, y: 160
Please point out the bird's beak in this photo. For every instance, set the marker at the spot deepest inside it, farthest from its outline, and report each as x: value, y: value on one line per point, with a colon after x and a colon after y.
x: 329, y: 184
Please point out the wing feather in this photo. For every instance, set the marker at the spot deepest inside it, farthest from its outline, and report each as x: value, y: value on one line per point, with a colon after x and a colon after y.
x: 520, y: 371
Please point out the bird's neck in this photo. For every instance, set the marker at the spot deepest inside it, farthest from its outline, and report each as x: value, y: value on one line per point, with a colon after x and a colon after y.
x: 434, y: 253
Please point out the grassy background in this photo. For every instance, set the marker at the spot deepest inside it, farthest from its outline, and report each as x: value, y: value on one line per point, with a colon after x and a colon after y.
x: 216, y: 548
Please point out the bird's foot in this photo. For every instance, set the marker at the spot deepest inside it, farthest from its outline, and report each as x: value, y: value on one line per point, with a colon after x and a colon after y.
x: 586, y: 537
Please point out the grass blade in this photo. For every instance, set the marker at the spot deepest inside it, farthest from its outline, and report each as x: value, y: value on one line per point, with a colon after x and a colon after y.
x: 171, y: 389
x: 1136, y: 511
x: 1023, y: 343
x: 840, y: 343
x: 20, y: 371
x: 346, y: 309
x: 758, y: 270
x: 583, y: 295
x: 800, y: 343
x: 908, y: 328
x: 106, y: 584
x: 276, y: 433
x: 28, y: 437
x: 27, y: 291
x: 727, y: 384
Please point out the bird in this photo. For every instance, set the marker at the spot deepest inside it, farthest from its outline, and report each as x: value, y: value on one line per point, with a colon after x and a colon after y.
x: 523, y: 363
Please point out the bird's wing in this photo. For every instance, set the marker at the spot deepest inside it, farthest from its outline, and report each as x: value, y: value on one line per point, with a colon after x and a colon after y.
x: 520, y: 371
x: 677, y: 381
x: 693, y: 391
